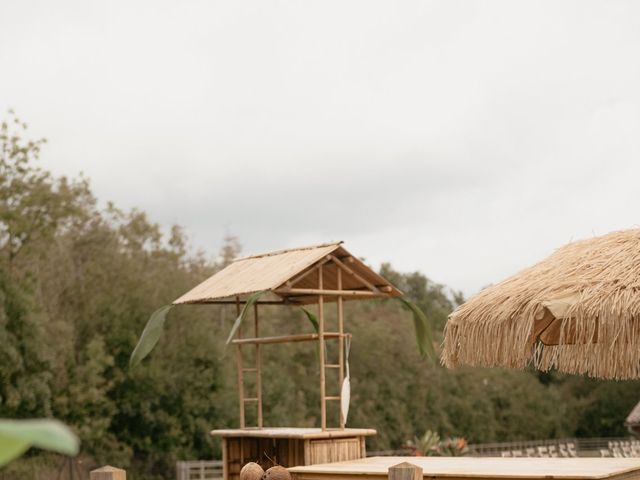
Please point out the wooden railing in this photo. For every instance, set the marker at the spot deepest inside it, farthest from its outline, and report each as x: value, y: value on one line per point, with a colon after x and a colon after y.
x: 199, y: 470
x: 584, y: 447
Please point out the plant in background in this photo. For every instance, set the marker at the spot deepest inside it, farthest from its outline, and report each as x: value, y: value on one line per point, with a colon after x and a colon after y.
x: 453, y: 447
x: 426, y: 445
x: 430, y: 445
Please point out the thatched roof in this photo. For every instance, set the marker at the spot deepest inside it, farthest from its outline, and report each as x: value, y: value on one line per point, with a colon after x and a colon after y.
x: 271, y: 272
x: 577, y: 311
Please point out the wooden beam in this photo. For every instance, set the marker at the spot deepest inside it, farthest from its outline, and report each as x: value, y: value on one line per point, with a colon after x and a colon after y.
x: 320, y: 291
x: 242, y: 302
x: 304, y: 274
x: 303, y: 337
x: 342, y: 266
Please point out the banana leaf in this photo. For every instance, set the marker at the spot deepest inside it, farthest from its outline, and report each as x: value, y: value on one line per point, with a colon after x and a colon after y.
x: 424, y: 335
x: 150, y: 335
x: 247, y: 306
x: 316, y: 325
x: 17, y: 436
x: 312, y: 318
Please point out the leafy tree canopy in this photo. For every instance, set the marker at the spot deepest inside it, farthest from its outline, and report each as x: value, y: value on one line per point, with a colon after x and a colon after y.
x: 78, y: 283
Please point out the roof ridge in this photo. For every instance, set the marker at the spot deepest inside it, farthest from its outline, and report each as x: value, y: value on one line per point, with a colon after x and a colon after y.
x: 286, y: 250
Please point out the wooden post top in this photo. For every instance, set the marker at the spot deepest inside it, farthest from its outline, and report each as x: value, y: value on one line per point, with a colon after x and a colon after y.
x: 405, y: 471
x: 108, y: 473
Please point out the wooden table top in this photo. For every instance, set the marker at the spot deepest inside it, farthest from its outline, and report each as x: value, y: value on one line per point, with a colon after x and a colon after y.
x: 292, y: 432
x: 483, y: 467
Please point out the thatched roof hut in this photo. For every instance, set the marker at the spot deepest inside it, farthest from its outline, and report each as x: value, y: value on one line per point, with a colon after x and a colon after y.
x: 577, y: 311
x: 317, y: 274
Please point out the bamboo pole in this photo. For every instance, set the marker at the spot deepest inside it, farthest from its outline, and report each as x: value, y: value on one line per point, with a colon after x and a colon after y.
x: 321, y: 291
x: 323, y: 405
x: 302, y: 337
x: 241, y: 302
x: 340, y: 346
x: 258, y: 365
x: 240, y: 369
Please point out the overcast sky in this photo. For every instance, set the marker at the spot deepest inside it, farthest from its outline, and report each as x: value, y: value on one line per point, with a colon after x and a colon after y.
x: 463, y: 139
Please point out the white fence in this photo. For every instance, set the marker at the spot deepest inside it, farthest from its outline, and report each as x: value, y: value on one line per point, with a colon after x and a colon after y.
x: 199, y: 470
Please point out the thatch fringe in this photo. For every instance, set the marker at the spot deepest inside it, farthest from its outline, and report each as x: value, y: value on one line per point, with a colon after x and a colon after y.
x: 600, y: 329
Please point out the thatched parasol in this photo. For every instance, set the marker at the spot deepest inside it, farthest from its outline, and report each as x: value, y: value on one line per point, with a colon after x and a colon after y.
x: 578, y: 311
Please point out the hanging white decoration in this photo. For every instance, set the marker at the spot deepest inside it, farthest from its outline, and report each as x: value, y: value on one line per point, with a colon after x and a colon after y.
x: 345, y: 393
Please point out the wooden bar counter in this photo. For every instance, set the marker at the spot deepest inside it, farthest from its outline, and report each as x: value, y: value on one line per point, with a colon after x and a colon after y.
x: 460, y: 468
x: 289, y: 447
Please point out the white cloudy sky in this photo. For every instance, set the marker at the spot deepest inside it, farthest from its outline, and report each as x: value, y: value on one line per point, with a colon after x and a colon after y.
x: 462, y: 139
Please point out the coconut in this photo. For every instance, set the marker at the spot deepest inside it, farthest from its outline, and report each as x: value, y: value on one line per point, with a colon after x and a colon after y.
x: 277, y: 473
x: 251, y: 471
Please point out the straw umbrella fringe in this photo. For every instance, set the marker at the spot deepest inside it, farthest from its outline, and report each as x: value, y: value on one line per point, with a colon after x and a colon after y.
x: 578, y: 311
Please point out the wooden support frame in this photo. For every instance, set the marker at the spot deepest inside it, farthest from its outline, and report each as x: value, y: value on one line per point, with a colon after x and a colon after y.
x: 319, y: 294
x: 307, y: 272
x: 342, y: 267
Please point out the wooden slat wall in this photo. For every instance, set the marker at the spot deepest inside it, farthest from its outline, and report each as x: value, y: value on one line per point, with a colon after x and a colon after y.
x: 288, y: 452
x: 283, y: 451
x: 334, y: 450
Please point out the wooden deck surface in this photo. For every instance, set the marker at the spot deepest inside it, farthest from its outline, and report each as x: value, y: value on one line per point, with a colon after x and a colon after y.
x: 290, y: 432
x: 470, y: 467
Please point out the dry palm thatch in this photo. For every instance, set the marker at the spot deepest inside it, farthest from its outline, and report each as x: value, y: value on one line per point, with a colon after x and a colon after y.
x: 578, y: 311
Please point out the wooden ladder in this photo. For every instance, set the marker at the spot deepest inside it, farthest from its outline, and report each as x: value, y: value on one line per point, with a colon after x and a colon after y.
x: 322, y: 337
x: 256, y: 369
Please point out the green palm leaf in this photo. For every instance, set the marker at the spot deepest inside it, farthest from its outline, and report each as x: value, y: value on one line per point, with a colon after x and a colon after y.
x: 424, y: 336
x: 150, y: 335
x: 247, y: 306
x: 312, y: 318
x: 316, y: 325
x: 17, y: 436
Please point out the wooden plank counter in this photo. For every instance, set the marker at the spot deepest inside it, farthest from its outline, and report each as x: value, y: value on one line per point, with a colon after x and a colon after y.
x: 459, y: 468
x: 289, y: 447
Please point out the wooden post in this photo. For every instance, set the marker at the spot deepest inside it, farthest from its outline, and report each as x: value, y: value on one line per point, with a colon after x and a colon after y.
x: 240, y: 368
x: 323, y: 402
x: 108, y: 473
x: 340, y: 346
x: 225, y: 459
x: 405, y: 471
x: 258, y: 366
